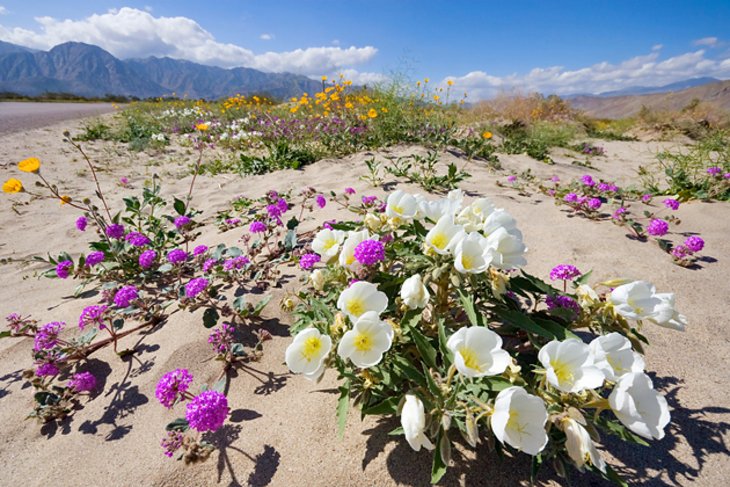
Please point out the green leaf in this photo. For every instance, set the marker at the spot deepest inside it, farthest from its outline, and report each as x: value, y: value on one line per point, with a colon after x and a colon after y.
x: 180, y: 424
x: 343, y: 404
x: 524, y: 322
x: 290, y: 240
x: 210, y: 317
x: 618, y: 429
x: 239, y: 304
x: 559, y: 331
x: 612, y: 476
x: 260, y: 306
x: 411, y: 373
x: 179, y: 206
x: 388, y: 406
x: 584, y: 278
x: 238, y: 350
x: 220, y: 386
x: 535, y: 468
x: 468, y: 303
x: 428, y: 353
x: 292, y: 224
x: 438, y: 468
x: 445, y: 352
x: 396, y: 432
x: 5, y: 334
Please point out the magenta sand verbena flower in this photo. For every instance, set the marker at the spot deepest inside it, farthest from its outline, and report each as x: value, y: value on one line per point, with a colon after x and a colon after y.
x: 82, y: 382
x: 565, y: 272
x: 125, y: 296
x: 307, y: 261
x: 175, y: 256
x: 694, y: 243
x: 94, y: 258
x: 63, y: 268
x: 147, y: 258
x: 195, y: 286
x: 92, y: 315
x: 657, y: 227
x: 172, y: 386
x: 369, y: 252
x: 207, y: 411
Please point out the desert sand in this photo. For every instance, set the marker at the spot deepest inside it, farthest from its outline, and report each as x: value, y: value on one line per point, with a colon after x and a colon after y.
x: 282, y: 428
x: 20, y: 116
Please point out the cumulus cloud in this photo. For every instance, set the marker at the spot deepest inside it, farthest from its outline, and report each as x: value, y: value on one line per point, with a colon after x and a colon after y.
x: 130, y: 33
x: 706, y: 41
x: 3, y: 10
x: 646, y: 70
x: 266, y: 37
x: 361, y: 78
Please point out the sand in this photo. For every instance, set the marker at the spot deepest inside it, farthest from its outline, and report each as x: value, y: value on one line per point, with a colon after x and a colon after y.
x: 282, y: 428
x: 20, y: 116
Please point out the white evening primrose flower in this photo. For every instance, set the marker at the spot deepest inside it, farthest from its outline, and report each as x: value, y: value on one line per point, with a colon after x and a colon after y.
x: 414, y: 293
x: 401, y: 205
x: 638, y: 406
x: 636, y: 300
x: 367, y: 341
x: 499, y: 218
x: 613, y: 355
x: 413, y: 421
x: 444, y: 236
x: 569, y: 365
x: 456, y: 197
x: 347, y: 255
x: 506, y: 250
x: 580, y: 446
x: 327, y: 243
x: 587, y: 296
x: 665, y: 315
x: 360, y: 298
x: 373, y: 222
x: 478, y: 352
x: 433, y: 210
x: 470, y: 254
x: 519, y: 420
x: 318, y: 278
x: 306, y: 354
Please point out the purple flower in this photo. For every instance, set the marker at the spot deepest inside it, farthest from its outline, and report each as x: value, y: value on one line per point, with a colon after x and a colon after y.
x: 646, y: 198
x: 182, y: 222
x: 594, y: 203
x: 369, y: 252
x: 512, y: 178
x: 82, y: 382
x: 47, y: 369
x: 137, y: 239
x: 92, y: 315
x: 555, y: 179
x: 81, y: 223
x: 195, y: 286
x: 208, y: 264
x: 671, y: 203
x: 115, y: 231
x: 94, y: 258
x: 232, y: 222
x: 714, y: 171
x: 349, y: 190
x: 657, y: 227
x: 125, y: 296
x: 175, y: 256
x: 562, y: 302
x: 328, y: 224
x: 47, y: 336
x: 257, y: 227
x: 222, y: 338
x: 282, y: 205
x: 172, y: 385
x: 694, y: 243
x: 207, y: 411
x: 604, y: 187
x: 307, y: 261
x: 172, y: 442
x: 618, y: 214
x: 236, y: 263
x: 570, y: 198
x: 588, y: 180
x: 124, y: 181
x: 369, y: 200
x: 727, y: 175
x: 680, y: 252
x: 147, y: 258
x: 321, y: 201
x: 63, y: 267
x: 565, y: 272
x: 200, y: 250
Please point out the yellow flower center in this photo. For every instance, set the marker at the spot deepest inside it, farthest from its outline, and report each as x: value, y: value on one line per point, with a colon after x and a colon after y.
x: 355, y: 306
x: 440, y: 240
x: 363, y: 342
x: 397, y: 209
x: 513, y: 423
x: 637, y: 309
x: 311, y: 348
x: 329, y: 243
x: 467, y: 261
x: 350, y: 259
x: 470, y: 358
x: 562, y: 370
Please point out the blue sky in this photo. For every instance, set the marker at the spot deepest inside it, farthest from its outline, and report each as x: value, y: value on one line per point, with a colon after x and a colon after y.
x: 484, y: 47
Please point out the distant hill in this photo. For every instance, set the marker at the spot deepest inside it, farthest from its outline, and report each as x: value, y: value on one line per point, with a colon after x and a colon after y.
x: 647, y: 90
x: 88, y: 70
x: 717, y: 94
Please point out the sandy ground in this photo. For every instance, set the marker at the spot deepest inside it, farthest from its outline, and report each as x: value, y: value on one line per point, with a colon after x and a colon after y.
x: 20, y: 116
x: 282, y: 429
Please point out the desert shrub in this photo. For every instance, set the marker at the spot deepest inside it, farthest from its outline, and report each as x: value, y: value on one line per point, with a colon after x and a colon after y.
x: 608, y: 129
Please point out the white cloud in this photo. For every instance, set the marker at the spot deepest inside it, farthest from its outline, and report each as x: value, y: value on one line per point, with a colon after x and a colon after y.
x: 266, y: 37
x: 359, y: 78
x: 706, y: 41
x: 657, y: 47
x: 130, y: 32
x: 335, y: 42
x: 647, y: 70
x: 3, y: 10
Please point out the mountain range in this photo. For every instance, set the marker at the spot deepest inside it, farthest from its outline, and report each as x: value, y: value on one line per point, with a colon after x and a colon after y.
x: 87, y: 70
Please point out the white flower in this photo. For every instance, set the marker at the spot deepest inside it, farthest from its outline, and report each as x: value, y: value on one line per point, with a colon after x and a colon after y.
x: 368, y: 340
x: 473, y: 216
x: 638, y: 406
x: 360, y: 298
x: 665, y: 315
x: 434, y: 210
x: 456, y: 197
x: 317, y: 278
x: 306, y: 354
x: 519, y: 420
x: 470, y: 254
x: 444, y: 236
x: 499, y: 218
x: 373, y: 222
x: 401, y: 205
x: 613, y: 355
x: 506, y: 250
x: 569, y: 365
x: 478, y: 352
x: 347, y: 256
x: 413, y: 420
x: 587, y: 296
x: 636, y: 300
x: 580, y: 446
x: 327, y: 243
x: 414, y: 293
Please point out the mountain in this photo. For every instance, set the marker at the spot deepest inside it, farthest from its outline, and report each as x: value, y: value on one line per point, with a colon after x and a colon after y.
x: 646, y: 90
x: 87, y: 70
x: 716, y: 94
